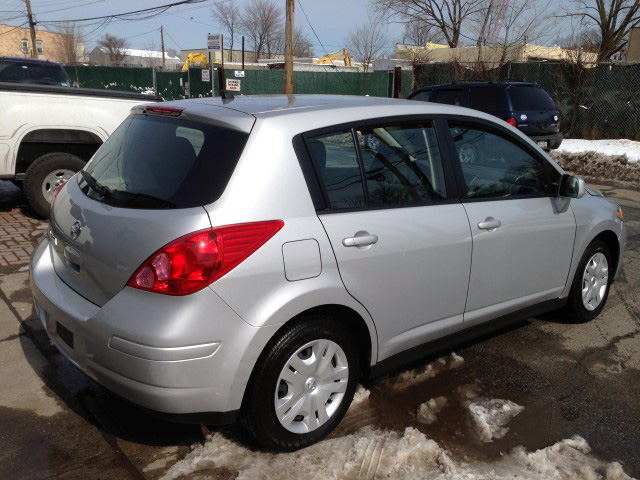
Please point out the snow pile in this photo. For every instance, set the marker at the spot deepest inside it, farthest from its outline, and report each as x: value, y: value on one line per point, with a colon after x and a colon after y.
x: 428, y: 411
x: 409, y: 455
x: 612, y: 148
x: 361, y: 395
x: 490, y: 417
x: 416, y: 375
x: 597, y: 165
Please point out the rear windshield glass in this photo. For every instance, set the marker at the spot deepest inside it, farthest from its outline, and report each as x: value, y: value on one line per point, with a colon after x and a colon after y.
x: 530, y: 99
x: 40, y: 74
x: 159, y: 162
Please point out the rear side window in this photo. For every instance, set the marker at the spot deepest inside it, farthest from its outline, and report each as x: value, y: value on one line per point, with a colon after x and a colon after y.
x: 449, y: 97
x: 486, y: 99
x: 400, y: 165
x: 336, y: 160
x: 525, y: 99
x: 159, y: 162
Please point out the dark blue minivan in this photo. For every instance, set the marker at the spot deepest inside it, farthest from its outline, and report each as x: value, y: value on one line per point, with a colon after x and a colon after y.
x: 525, y: 106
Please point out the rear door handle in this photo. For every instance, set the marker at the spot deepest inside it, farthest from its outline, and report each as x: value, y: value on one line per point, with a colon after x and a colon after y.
x: 489, y: 224
x: 360, y: 240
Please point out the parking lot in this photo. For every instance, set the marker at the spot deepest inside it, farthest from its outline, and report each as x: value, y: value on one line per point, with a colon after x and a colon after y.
x: 571, y: 380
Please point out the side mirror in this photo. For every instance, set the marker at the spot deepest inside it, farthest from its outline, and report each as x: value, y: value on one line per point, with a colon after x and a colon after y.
x: 571, y: 186
x: 76, y: 84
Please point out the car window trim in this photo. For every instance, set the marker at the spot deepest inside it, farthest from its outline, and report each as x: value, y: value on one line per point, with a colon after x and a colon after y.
x: 452, y: 194
x: 499, y: 131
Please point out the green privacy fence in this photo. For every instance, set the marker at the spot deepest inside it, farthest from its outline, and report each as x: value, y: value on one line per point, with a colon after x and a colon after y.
x: 177, y: 85
x: 595, y: 100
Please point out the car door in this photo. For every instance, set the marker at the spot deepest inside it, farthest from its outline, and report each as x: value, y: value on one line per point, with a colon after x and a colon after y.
x: 523, y: 234
x: 403, y: 247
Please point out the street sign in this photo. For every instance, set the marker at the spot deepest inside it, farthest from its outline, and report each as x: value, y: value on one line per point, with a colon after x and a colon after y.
x: 233, y: 85
x: 214, y: 41
x: 239, y: 73
x: 205, y: 76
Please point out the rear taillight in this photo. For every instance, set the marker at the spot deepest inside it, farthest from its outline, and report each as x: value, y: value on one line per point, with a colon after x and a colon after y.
x: 513, y: 122
x: 194, y: 261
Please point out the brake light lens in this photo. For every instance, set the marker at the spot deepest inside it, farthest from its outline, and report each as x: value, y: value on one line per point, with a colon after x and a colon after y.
x: 168, y: 111
x: 513, y: 122
x: 194, y: 261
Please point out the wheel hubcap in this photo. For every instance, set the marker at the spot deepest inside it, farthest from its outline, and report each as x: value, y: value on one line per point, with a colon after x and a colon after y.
x: 594, y: 281
x: 311, y: 386
x: 53, y: 180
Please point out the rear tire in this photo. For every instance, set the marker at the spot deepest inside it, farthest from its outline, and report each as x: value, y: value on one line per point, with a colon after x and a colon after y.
x: 311, y: 340
x: 590, y: 287
x: 44, y: 175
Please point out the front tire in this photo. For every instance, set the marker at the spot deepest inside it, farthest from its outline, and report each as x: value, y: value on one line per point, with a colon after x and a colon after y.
x: 44, y: 175
x: 590, y: 288
x: 302, y: 385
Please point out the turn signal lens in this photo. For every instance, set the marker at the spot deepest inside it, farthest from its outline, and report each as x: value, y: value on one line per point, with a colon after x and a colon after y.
x: 619, y: 213
x: 194, y: 261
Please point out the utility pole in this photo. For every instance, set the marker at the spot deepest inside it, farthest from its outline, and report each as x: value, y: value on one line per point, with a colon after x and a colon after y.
x: 288, y: 49
x: 162, y: 43
x: 32, y: 27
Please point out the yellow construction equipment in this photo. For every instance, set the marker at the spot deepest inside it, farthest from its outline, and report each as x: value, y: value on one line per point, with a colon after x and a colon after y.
x: 329, y: 58
x: 195, y: 60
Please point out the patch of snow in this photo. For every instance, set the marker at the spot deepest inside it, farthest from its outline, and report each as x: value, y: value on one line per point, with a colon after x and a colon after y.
x: 629, y: 148
x: 361, y: 395
x: 416, y: 375
x: 428, y: 411
x: 491, y: 416
x: 409, y: 455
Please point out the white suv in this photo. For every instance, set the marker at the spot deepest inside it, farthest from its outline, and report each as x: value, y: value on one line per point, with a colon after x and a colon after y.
x: 258, y: 256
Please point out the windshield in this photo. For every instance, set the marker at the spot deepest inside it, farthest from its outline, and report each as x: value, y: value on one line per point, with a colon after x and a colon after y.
x: 528, y: 99
x: 36, y: 73
x: 159, y: 162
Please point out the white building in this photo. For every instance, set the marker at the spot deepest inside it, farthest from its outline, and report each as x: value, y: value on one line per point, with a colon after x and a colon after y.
x: 135, y: 58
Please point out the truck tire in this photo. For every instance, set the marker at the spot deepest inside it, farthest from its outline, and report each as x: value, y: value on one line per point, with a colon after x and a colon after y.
x: 44, y: 175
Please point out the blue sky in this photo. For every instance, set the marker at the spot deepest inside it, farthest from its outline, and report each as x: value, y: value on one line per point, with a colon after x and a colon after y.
x: 187, y: 26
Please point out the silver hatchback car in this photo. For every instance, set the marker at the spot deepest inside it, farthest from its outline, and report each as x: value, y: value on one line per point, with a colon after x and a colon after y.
x: 256, y: 257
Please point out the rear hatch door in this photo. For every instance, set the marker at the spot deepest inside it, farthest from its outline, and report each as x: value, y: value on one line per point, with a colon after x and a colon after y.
x: 145, y: 187
x: 534, y: 110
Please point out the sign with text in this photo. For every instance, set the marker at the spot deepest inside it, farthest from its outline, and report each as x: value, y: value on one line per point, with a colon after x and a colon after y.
x: 239, y: 73
x: 206, y: 77
x: 233, y: 85
x: 214, y: 41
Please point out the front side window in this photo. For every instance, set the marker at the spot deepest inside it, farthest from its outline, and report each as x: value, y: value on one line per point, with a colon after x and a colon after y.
x: 336, y: 160
x: 402, y: 164
x: 494, y: 167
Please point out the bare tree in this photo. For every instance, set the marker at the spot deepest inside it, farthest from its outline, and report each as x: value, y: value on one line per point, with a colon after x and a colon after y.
x: 262, y: 21
x: 72, y: 46
x: 116, y: 47
x: 368, y: 40
x: 301, y: 44
x: 419, y: 32
x: 447, y: 16
x: 506, y: 24
x: 227, y: 14
x: 612, y: 18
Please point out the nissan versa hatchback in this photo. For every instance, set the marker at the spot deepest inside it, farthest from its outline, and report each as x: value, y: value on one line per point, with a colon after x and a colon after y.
x: 255, y: 258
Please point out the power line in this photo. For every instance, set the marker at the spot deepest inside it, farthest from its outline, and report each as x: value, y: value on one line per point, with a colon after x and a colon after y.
x: 153, y: 11
x: 172, y: 39
x: 14, y: 28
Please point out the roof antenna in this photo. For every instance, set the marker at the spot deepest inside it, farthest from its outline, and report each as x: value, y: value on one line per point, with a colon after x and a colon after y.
x: 224, y: 94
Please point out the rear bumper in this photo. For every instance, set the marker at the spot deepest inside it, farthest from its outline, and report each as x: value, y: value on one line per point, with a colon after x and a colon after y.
x: 189, y: 357
x: 553, y: 141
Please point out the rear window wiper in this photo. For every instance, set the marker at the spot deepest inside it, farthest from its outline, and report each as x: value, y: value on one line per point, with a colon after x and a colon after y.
x: 143, y: 198
x: 95, y: 185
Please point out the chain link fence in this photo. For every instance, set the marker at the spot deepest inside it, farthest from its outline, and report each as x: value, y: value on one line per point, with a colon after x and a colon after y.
x: 595, y: 100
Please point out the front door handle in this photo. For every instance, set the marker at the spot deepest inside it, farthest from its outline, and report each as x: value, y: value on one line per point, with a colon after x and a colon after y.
x: 489, y: 224
x: 360, y: 240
